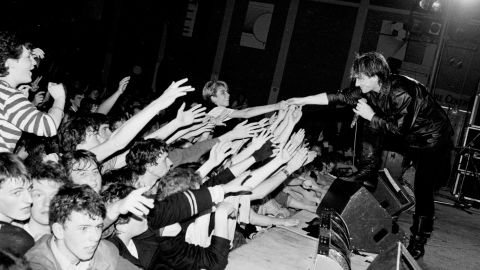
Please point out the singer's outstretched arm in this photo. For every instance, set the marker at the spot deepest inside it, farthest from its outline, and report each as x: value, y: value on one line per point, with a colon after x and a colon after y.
x: 347, y: 96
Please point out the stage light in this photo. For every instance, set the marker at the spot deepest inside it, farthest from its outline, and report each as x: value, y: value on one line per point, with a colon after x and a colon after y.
x: 430, y: 5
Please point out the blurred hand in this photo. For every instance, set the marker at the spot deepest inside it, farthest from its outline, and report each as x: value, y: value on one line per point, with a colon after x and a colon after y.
x: 282, y: 105
x: 174, y: 91
x: 297, y: 160
x: 290, y: 222
x: 220, y: 151
x: 297, y: 114
x: 225, y: 208
x: 286, y: 152
x: 122, y: 85
x: 200, y: 129
x: 56, y: 90
x: 25, y: 89
x: 38, y: 53
x: 258, y: 141
x: 38, y: 98
x: 136, y: 203
x: 194, y: 115
x: 242, y: 130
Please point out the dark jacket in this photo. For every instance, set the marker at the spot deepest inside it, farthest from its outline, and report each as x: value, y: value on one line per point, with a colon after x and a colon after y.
x: 161, y: 253
x: 404, y: 108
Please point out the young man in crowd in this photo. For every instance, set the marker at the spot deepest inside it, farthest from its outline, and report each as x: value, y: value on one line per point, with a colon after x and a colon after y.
x: 17, y: 113
x: 47, y: 178
x: 15, y: 204
x: 76, y: 216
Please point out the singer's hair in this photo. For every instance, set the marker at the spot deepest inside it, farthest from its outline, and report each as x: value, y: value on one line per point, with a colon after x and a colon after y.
x: 371, y: 64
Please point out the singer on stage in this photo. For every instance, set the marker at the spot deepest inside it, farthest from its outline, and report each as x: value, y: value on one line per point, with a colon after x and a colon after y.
x: 398, y: 105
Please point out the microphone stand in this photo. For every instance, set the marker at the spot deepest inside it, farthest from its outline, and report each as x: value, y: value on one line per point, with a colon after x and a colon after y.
x: 458, y: 201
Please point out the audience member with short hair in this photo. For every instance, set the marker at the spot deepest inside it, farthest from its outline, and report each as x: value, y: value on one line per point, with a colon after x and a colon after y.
x: 76, y: 216
x: 15, y: 204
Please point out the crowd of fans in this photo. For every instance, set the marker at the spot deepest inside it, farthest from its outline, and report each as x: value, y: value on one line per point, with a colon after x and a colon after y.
x: 91, y: 183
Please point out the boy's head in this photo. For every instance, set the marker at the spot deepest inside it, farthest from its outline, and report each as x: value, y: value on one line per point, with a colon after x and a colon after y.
x: 217, y: 93
x: 75, y: 97
x: 78, y: 133
x: 149, y: 156
x: 16, y: 59
x: 76, y: 218
x: 15, y: 184
x: 127, y: 224
x: 82, y: 168
x: 178, y: 180
x: 103, y: 123
x: 47, y: 178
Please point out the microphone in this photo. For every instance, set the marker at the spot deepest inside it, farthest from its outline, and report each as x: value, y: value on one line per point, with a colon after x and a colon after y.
x: 355, y: 117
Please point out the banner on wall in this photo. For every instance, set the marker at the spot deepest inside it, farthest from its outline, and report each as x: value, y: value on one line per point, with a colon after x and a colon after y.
x: 256, y: 25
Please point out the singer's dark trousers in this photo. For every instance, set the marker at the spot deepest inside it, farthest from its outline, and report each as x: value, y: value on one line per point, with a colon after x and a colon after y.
x: 432, y: 167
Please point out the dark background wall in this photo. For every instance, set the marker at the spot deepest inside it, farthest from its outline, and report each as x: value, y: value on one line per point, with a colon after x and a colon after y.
x: 101, y: 41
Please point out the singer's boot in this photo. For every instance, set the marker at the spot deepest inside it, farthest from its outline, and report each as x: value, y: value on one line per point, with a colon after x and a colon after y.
x: 421, y: 230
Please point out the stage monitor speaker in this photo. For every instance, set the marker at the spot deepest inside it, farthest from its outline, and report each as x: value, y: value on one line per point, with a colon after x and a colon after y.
x: 372, y: 229
x: 390, y: 194
x: 396, y: 257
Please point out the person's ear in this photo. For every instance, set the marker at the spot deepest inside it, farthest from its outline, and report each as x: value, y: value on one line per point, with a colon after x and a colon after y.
x: 214, y: 99
x: 9, y: 62
x: 58, y: 230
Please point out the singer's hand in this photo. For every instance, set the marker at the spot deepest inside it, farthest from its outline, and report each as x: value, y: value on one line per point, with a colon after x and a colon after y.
x: 364, y: 110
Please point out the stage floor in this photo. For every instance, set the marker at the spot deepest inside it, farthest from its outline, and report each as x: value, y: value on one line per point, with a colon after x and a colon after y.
x: 285, y: 248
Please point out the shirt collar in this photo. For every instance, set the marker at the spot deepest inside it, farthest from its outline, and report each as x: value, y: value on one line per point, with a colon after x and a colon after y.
x: 63, y: 261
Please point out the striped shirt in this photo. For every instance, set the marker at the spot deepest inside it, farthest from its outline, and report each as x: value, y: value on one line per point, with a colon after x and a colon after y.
x: 17, y: 114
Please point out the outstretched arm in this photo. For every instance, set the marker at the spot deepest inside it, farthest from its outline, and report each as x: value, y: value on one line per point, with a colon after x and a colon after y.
x: 107, y: 104
x: 123, y: 135
x: 259, y: 110
x: 319, y: 99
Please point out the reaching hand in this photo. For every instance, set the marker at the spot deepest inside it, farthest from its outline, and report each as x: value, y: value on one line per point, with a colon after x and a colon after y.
x: 272, y: 118
x: 242, y: 130
x: 282, y: 105
x: 297, y: 161
x: 174, y: 91
x: 194, y: 115
x: 297, y: 138
x: 38, y: 53
x: 297, y: 114
x: 291, y: 222
x: 56, y: 90
x: 311, y: 155
x: 261, y: 139
x: 200, y: 129
x: 122, y: 85
x: 286, y: 152
x: 38, y: 99
x: 136, y: 203
x: 220, y: 151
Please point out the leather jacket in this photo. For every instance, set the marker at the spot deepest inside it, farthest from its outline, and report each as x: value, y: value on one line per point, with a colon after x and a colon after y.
x: 403, y: 108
